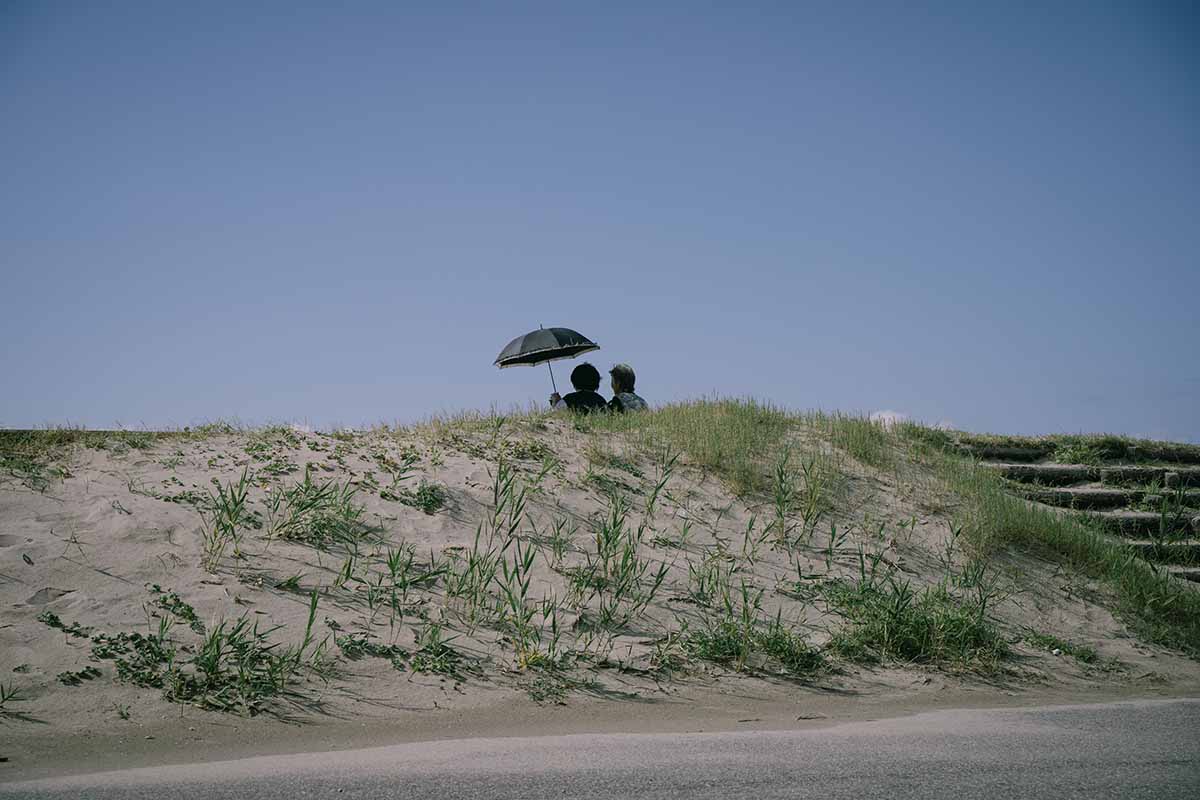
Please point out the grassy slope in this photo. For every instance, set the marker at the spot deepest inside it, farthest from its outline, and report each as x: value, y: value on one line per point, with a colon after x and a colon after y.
x: 1161, y: 608
x: 738, y: 439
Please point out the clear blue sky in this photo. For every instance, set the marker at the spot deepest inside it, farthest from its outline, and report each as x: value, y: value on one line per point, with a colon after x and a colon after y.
x: 339, y: 213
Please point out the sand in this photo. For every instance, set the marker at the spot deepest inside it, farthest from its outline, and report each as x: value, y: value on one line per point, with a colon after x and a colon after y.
x: 91, y: 541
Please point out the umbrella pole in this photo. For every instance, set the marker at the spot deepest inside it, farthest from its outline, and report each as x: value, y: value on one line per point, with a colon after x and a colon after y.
x: 552, y: 383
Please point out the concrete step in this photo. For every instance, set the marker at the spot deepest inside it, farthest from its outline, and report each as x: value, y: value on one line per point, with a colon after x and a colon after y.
x: 1165, y: 451
x: 1185, y: 573
x: 1067, y: 474
x: 1089, y: 497
x: 1141, y: 523
x: 1083, y: 497
x: 1047, y: 474
x: 1163, y: 476
x: 1007, y: 453
x: 1186, y: 552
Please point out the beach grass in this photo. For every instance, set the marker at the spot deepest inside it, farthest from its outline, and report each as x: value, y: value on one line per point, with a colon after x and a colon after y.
x: 732, y: 438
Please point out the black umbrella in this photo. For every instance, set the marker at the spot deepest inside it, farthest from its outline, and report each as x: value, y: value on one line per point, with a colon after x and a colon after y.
x: 543, y: 346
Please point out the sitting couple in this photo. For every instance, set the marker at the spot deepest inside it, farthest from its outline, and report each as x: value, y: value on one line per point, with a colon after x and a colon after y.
x: 586, y: 380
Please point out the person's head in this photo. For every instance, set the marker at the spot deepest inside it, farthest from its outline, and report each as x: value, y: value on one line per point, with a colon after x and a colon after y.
x: 622, y: 378
x: 585, y: 378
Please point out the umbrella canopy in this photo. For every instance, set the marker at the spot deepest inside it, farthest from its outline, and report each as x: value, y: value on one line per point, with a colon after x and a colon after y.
x: 543, y: 345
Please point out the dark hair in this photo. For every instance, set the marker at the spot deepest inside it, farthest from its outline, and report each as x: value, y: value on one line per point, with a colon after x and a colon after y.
x: 585, y: 378
x: 623, y: 375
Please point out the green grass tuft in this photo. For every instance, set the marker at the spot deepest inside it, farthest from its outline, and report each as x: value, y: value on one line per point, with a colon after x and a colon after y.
x: 732, y: 438
x: 429, y: 497
x: 1048, y: 642
x: 889, y: 620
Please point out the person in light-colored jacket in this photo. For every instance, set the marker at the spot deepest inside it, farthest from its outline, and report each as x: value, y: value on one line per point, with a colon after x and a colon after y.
x: 624, y: 399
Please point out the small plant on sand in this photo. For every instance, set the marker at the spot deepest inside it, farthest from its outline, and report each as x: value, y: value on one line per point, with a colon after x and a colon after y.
x: 317, y: 513
x: 429, y: 497
x: 783, y: 498
x: 516, y: 612
x: 52, y: 620
x: 263, y: 444
x: 728, y: 639
x: 526, y: 450
x: 470, y: 579
x: 669, y: 656
x: 233, y: 667
x: 663, y: 471
x: 788, y: 648
x: 397, y: 469
x: 404, y: 575
x: 752, y: 540
x: 139, y: 659
x: 237, y: 668
x: 433, y: 652
x: 738, y: 637
x: 679, y: 542
x: 223, y: 518
x: 360, y: 645
x: 290, y: 583
x: 709, y: 581
x: 834, y: 544
x: 1082, y: 653
x: 9, y: 693
x: 558, y: 540
x: 347, y: 571
x: 30, y: 469
x: 615, y: 574
x: 549, y: 683
x: 533, y: 627
x: 75, y: 678
x: 174, y: 604
x: 813, y: 498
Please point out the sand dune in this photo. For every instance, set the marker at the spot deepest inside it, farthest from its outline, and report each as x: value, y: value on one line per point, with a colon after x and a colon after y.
x: 626, y: 584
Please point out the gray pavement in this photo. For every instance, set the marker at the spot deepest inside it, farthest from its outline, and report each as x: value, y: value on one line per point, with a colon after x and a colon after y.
x: 1147, y: 749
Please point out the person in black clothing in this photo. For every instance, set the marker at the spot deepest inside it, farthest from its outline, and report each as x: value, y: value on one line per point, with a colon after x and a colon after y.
x: 584, y: 400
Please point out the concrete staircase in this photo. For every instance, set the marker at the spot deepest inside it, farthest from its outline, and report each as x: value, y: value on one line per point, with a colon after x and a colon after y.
x: 1153, y: 509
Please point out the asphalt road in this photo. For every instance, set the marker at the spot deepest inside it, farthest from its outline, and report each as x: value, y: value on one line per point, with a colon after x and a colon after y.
x: 1120, y: 750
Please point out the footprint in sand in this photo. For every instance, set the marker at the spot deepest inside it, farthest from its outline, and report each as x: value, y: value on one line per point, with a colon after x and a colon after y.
x: 47, y: 595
